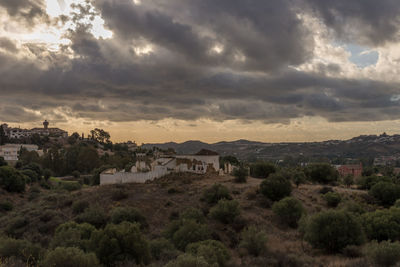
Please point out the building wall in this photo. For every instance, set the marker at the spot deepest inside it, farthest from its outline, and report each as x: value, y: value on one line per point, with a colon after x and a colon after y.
x: 10, y: 151
x: 128, y: 177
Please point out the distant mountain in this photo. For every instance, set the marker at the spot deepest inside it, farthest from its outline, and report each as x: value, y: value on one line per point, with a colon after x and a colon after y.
x: 363, y: 146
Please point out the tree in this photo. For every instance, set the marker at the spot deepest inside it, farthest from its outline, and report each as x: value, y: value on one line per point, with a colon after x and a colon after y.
x: 276, y: 187
x: 11, y: 179
x: 3, y: 137
x: 348, y: 180
x: 254, y: 241
x: 322, y: 173
x: 386, y: 193
x: 100, y: 136
x: 299, y: 178
x: 241, y: 174
x: 68, y: 257
x: 289, y: 211
x: 88, y: 159
x: 73, y: 138
x: 262, y: 169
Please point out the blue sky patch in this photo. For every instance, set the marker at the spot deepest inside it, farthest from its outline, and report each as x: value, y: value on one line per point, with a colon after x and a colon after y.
x: 362, y: 56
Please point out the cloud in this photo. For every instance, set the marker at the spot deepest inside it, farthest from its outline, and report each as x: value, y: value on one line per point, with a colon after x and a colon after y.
x: 28, y: 11
x: 255, y: 74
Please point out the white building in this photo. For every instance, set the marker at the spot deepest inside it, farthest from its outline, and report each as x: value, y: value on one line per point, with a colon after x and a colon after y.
x: 205, y: 161
x: 10, y: 152
x: 17, y: 133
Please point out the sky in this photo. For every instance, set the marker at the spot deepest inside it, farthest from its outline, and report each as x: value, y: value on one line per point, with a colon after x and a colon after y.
x: 209, y: 70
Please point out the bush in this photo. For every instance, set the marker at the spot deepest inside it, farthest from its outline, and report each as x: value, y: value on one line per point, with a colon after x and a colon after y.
x: 188, y: 260
x: 262, y: 170
x: 299, y: 178
x: 322, y: 173
x: 386, y: 193
x: 367, y: 182
x: 276, y: 187
x: 214, y: 252
x: 397, y: 204
x: 68, y: 257
x: 95, y: 216
x: 76, y: 174
x: 325, y: 189
x: 35, y: 168
x: 254, y: 241
x: 289, y: 211
x: 354, y: 207
x: 79, y: 206
x: 332, y: 199
x: 162, y: 249
x: 225, y: 211
x: 128, y: 214
x: 352, y: 251
x: 16, y: 226
x: 20, y: 249
x: 122, y: 242
x: 193, y: 214
x: 348, y: 180
x: 189, y: 231
x: 6, y: 206
x: 240, y: 174
x: 11, y: 180
x: 333, y: 230
x: 70, y: 185
x: 385, y: 253
x: 382, y: 224
x: 71, y: 234
x: 31, y: 175
x: 119, y: 194
x: 216, y: 193
x: 47, y: 174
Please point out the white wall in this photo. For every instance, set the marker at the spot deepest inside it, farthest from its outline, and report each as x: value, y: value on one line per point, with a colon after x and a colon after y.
x: 128, y: 177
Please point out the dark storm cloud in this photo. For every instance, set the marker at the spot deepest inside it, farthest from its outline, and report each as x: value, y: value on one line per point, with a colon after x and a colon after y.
x: 25, y: 10
x: 107, y: 79
x: 368, y: 22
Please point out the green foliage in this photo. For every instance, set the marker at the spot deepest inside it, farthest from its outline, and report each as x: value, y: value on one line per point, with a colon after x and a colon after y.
x: 333, y: 230
x: 348, y: 180
x: 382, y: 224
x: 386, y: 193
x: 276, y: 187
x: 397, y: 203
x: 47, y: 174
x: 321, y: 173
x: 332, y: 199
x: 70, y: 257
x: 353, y: 207
x: 230, y: 159
x: 189, y: 260
x: 262, y: 169
x: 367, y: 182
x: 11, y: 179
x: 20, y: 249
x: 299, y: 178
x: 128, y: 214
x: 34, y: 167
x: 214, y: 252
x: 76, y: 174
x: 162, y: 249
x: 95, y: 216
x: 240, y: 174
x: 71, y: 234
x: 16, y: 226
x: 120, y: 242
x: 225, y: 211
x: 254, y: 241
x: 385, y: 253
x: 6, y: 206
x: 79, y: 206
x: 289, y: 211
x: 70, y: 185
x: 193, y: 214
x: 216, y: 193
x: 33, y: 177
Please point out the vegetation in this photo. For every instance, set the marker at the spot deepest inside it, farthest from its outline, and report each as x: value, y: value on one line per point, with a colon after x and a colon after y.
x: 386, y: 193
x: 385, y: 253
x: 262, y: 169
x: 11, y: 179
x: 382, y: 224
x: 240, y: 174
x: 323, y: 173
x: 214, y: 252
x: 254, y: 241
x: 276, y: 187
x: 289, y: 211
x: 67, y: 257
x: 332, y: 199
x: 333, y: 230
x: 216, y: 193
x: 128, y: 214
x: 225, y: 211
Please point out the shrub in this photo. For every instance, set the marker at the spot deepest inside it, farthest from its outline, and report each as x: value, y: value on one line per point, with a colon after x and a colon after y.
x: 47, y: 174
x: 6, y: 206
x: 128, y: 214
x: 333, y: 230
x: 71, y: 234
x: 11, y: 180
x: 385, y: 253
x: 20, y: 249
x: 162, y: 249
x: 386, y: 193
x: 79, y: 206
x: 254, y: 241
x: 122, y: 242
x: 382, y: 224
x: 397, y: 204
x: 332, y: 199
x: 119, y: 194
x: 262, y: 170
x: 354, y: 207
x: 95, y: 216
x: 322, y: 173
x: 325, y: 189
x: 367, y: 182
x: 225, y: 211
x: 68, y: 257
x: 76, y: 174
x: 214, y: 252
x: 352, y: 251
x: 34, y: 167
x: 70, y: 185
x: 276, y: 187
x: 348, y: 180
x: 193, y: 214
x: 240, y: 174
x: 216, y: 193
x: 289, y: 211
x: 188, y: 231
x: 299, y: 178
x: 187, y: 260
x: 33, y: 176
x: 16, y: 226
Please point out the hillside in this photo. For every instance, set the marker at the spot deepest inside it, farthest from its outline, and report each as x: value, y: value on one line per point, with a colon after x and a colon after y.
x: 358, y: 147
x: 38, y: 212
